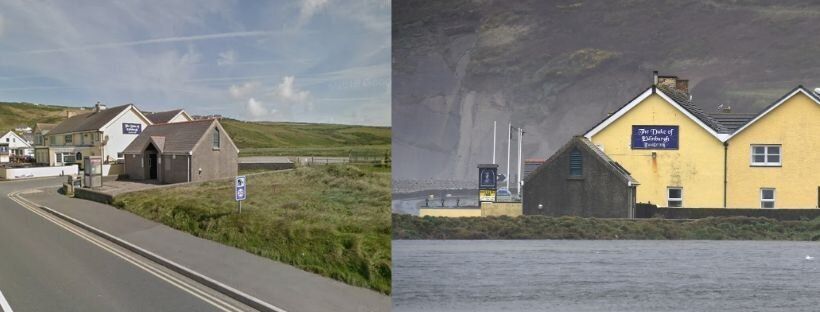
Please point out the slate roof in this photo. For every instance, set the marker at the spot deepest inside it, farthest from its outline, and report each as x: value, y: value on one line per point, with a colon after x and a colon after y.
x: 162, y: 117
x: 88, y: 121
x: 683, y: 99
x: 614, y: 166
x: 178, y: 137
x: 733, y: 121
x: 44, y: 126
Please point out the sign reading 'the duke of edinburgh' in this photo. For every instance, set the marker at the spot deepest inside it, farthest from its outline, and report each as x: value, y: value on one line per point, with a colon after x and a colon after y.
x: 654, y: 137
x: 131, y: 128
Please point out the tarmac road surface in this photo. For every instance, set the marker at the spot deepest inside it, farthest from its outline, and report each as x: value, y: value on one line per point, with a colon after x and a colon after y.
x: 45, y: 266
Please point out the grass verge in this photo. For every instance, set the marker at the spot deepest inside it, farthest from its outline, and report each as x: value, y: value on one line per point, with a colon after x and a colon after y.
x: 541, y: 227
x: 332, y: 220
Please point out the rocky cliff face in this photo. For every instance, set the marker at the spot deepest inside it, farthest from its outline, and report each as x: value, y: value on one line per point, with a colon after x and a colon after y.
x: 556, y: 68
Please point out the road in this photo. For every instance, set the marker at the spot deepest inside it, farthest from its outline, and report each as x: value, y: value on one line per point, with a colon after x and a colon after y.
x: 49, y: 266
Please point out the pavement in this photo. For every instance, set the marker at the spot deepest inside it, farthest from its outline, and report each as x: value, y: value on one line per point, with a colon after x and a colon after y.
x: 50, y: 269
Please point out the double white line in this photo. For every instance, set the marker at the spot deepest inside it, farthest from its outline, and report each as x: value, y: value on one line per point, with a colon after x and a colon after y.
x: 4, y: 305
x: 138, y: 262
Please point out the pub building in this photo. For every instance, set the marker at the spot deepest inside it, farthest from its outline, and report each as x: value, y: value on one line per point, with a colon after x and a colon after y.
x: 684, y: 156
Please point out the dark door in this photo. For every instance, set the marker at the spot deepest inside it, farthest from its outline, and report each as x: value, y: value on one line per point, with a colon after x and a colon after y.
x: 152, y: 166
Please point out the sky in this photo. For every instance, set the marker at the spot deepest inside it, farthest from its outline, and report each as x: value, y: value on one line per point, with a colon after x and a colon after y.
x: 324, y: 61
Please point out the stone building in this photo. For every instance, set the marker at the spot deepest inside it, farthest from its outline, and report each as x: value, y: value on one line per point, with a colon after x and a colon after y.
x: 580, y: 180
x: 182, y: 152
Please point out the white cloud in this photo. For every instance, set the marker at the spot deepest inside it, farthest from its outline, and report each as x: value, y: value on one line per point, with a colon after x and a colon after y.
x: 244, y: 90
x: 226, y: 58
x: 309, y: 8
x: 286, y: 91
x: 258, y: 111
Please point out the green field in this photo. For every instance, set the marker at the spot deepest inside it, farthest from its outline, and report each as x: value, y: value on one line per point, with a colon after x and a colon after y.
x: 333, y: 220
x: 541, y: 227
x: 302, y: 139
x: 14, y: 114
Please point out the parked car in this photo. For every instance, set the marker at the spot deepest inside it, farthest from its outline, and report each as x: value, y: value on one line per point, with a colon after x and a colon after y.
x: 503, y: 194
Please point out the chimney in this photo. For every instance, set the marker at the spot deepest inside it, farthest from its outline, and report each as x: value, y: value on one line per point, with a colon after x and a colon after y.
x: 98, y: 107
x: 682, y: 85
x: 655, y: 77
x: 668, y: 81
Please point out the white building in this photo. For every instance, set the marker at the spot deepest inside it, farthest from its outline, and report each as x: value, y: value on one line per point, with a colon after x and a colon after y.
x: 17, y: 146
x: 103, y: 132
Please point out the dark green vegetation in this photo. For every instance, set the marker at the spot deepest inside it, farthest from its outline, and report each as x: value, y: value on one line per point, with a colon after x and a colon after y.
x: 14, y: 114
x: 333, y: 220
x: 301, y: 139
x: 540, y: 227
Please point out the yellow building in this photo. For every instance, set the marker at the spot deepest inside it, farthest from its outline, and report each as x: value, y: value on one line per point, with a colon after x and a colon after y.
x: 685, y: 157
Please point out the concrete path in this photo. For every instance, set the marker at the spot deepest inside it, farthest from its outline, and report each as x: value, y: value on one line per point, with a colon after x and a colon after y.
x: 278, y: 284
x: 47, y: 267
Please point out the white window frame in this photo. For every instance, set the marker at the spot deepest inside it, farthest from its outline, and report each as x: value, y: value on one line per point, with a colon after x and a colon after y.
x: 772, y: 200
x: 669, y: 199
x: 766, y: 162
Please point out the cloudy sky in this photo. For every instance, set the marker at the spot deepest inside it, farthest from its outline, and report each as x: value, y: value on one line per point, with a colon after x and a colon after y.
x: 302, y: 60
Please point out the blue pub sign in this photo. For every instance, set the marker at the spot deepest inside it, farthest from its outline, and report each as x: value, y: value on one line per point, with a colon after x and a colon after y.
x: 131, y: 128
x: 655, y: 137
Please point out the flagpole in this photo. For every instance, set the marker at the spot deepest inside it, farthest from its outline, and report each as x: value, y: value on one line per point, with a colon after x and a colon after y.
x: 520, y: 139
x: 509, y: 138
x: 494, y: 141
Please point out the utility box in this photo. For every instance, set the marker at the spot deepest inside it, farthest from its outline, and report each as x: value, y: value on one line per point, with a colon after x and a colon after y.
x: 92, y: 171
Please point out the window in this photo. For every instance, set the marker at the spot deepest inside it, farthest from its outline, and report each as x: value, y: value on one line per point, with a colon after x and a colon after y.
x: 576, y: 163
x: 766, y: 155
x: 216, y: 139
x: 674, y: 197
x: 7, y: 140
x: 120, y: 156
x: 69, y: 139
x: 767, y: 198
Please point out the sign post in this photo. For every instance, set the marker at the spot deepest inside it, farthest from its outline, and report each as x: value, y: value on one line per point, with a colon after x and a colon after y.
x: 487, y: 182
x: 241, y: 191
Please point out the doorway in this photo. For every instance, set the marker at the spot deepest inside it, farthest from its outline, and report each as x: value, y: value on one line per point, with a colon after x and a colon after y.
x: 152, y: 166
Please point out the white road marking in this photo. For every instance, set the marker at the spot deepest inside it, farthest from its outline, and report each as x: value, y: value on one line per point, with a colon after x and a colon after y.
x: 4, y: 305
x: 142, y: 264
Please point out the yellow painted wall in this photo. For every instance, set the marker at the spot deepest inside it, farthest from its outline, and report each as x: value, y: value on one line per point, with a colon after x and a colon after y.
x: 796, y: 125
x: 489, y: 209
x: 697, y: 165
x: 450, y: 212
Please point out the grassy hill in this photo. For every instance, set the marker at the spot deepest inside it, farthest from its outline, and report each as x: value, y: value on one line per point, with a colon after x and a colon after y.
x: 252, y: 138
x: 298, y: 139
x: 13, y: 114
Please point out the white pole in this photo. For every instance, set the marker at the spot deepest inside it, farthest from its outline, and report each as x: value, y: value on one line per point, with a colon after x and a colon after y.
x: 494, y: 141
x: 509, y: 138
x: 520, y: 180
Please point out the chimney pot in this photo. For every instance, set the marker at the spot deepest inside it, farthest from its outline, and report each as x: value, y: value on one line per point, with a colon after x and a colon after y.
x: 655, y: 77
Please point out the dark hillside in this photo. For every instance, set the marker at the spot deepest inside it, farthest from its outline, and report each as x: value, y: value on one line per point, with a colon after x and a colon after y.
x: 557, y: 67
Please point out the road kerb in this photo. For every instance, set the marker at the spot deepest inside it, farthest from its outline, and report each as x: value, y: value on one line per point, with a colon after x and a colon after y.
x: 237, y: 295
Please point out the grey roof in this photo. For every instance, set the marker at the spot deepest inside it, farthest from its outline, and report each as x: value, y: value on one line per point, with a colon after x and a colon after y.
x: 614, y: 166
x: 178, y: 137
x: 684, y: 101
x: 162, y: 117
x: 733, y: 121
x: 89, y: 121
